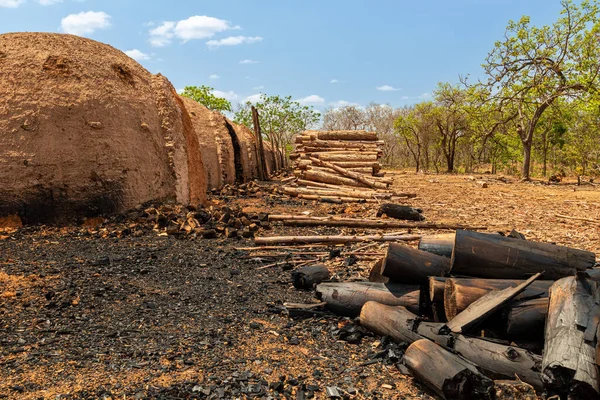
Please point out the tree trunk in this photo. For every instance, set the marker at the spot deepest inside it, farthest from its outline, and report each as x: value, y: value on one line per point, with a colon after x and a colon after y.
x: 352, y: 175
x: 393, y: 321
x: 526, y: 160
x: 497, y: 257
x: 346, y: 135
x: 405, y: 264
x: 348, y: 298
x: 449, y: 375
x: 334, y: 179
x: 526, y: 319
x: 365, y: 223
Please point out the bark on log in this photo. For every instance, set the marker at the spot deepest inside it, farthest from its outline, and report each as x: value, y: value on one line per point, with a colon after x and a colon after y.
x: 356, y: 157
x: 461, y: 293
x: 326, y: 192
x: 370, y: 224
x: 269, y: 240
x: 506, y: 361
x: 485, y: 306
x: 394, y: 321
x: 526, y: 319
x: 404, y: 264
x: 334, y: 199
x: 400, y: 212
x: 493, y: 256
x: 357, y: 164
x: 308, y: 277
x: 348, y: 298
x: 365, y: 171
x: 441, y: 244
x: 449, y: 375
x: 340, y: 150
x: 569, y: 362
x: 353, y: 175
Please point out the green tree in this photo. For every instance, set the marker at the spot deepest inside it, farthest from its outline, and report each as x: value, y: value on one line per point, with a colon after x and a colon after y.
x: 280, y: 118
x: 204, y: 95
x: 533, y: 67
x: 414, y: 125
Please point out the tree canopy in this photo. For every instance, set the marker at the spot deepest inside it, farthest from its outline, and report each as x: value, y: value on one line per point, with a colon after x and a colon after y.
x: 204, y: 95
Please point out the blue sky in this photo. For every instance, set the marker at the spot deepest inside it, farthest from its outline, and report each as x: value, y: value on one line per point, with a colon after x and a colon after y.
x: 323, y: 53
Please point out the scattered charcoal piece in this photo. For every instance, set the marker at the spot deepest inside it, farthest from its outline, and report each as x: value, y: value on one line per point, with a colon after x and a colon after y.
x: 401, y: 212
x: 308, y: 277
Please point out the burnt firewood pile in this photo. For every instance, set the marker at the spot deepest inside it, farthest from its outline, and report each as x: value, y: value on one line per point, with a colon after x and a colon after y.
x: 339, y: 167
x: 483, y: 315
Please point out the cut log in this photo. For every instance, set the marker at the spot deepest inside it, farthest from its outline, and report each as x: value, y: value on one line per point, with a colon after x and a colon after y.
x: 348, y: 298
x: 436, y: 288
x: 334, y: 199
x: 569, y: 363
x: 486, y: 305
x: 370, y: 224
x: 345, y: 135
x: 334, y: 179
x: 497, y: 257
x: 343, y: 143
x: 357, y: 164
x: 526, y: 319
x: 308, y: 277
x: 501, y: 360
x: 269, y: 240
x: 326, y: 192
x: 498, y: 359
x: 461, y: 293
x: 356, y: 157
x: 340, y: 150
x: 353, y: 175
x: 396, y: 322
x: 365, y: 171
x: 441, y: 244
x: 404, y: 264
x: 449, y: 375
x: 400, y: 212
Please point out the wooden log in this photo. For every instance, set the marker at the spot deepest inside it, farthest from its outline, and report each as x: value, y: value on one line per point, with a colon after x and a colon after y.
x: 269, y: 240
x: 569, y: 362
x: 345, y: 135
x: 334, y: 199
x: 395, y: 322
x: 326, y: 192
x: 343, y: 143
x: 461, y: 293
x: 348, y: 298
x: 371, y: 224
x: 364, y: 171
x: 324, y: 177
x: 308, y: 277
x: 262, y: 162
x: 341, y: 150
x: 449, y: 375
x: 526, y: 319
x: 357, y: 164
x: 404, y: 264
x: 356, y: 157
x: 398, y: 211
x: 349, y: 174
x: 493, y: 256
x: 441, y: 244
x: 485, y: 306
x: 498, y: 359
x: 437, y: 286
x: 328, y: 152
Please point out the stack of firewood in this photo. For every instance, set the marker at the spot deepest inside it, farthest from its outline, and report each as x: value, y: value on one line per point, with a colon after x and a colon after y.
x: 473, y: 307
x: 339, y: 161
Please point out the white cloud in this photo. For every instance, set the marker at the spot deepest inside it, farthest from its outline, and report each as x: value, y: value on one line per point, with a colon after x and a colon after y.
x: 387, y: 88
x: 248, y: 62
x: 253, y: 98
x: 49, y: 2
x: 137, y: 55
x: 226, y: 95
x: 195, y: 27
x: 11, y: 3
x: 425, y: 95
x: 214, y: 76
x: 258, y: 87
x: 312, y: 99
x: 234, y: 41
x: 342, y: 103
x: 334, y: 81
x: 85, y: 23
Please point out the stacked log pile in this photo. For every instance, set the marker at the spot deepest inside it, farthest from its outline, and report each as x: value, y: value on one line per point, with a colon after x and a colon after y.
x: 474, y: 307
x: 342, y: 165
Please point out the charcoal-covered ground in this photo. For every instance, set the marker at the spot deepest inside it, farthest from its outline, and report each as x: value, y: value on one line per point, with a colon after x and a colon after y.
x: 122, y: 310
